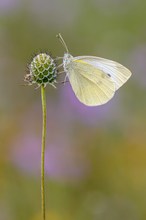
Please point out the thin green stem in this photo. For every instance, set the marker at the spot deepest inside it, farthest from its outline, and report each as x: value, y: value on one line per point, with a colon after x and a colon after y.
x: 43, y: 96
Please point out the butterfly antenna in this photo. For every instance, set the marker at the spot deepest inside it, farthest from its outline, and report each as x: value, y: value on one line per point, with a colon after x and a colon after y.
x: 62, y: 41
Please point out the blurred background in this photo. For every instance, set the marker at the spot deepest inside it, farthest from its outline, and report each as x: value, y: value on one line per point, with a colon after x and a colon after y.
x: 95, y: 157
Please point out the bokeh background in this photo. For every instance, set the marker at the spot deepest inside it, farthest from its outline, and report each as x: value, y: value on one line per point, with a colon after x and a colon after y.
x: 95, y: 157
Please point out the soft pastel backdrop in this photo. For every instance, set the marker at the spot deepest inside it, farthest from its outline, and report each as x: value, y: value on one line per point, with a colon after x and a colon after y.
x: 95, y: 157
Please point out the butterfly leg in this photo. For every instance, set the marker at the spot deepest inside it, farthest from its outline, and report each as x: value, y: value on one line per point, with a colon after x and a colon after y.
x: 59, y: 66
x: 61, y: 72
x: 64, y: 81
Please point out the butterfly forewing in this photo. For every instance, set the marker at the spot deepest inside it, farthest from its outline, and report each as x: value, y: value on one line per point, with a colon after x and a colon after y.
x: 118, y: 73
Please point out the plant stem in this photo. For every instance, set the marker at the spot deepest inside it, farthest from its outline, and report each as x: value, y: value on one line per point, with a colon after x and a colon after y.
x: 43, y: 96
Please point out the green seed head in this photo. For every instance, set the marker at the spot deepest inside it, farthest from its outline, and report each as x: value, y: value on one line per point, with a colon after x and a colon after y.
x: 42, y: 70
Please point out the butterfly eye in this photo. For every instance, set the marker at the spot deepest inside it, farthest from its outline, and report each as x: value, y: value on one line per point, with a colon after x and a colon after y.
x: 108, y: 74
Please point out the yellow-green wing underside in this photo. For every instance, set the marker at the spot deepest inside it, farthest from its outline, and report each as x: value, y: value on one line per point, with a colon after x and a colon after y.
x: 119, y: 73
x: 91, y: 86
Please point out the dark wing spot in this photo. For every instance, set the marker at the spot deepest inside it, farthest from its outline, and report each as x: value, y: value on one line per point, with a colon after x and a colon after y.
x: 105, y: 75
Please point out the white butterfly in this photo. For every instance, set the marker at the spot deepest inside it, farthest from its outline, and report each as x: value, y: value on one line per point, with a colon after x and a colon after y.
x: 94, y: 80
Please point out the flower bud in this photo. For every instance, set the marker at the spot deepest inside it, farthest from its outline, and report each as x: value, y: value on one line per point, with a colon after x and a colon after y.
x: 42, y: 70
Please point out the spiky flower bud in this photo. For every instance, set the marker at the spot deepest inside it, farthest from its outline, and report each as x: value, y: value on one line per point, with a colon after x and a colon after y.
x: 42, y: 70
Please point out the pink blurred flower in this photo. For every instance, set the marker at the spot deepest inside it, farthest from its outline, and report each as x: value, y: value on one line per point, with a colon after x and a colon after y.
x: 86, y: 114
x: 26, y: 154
x: 63, y: 161
x: 8, y: 5
x: 47, y: 9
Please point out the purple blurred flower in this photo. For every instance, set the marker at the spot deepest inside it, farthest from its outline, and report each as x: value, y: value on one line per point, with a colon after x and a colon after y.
x: 55, y: 12
x: 63, y: 161
x: 86, y: 114
x: 26, y: 154
x: 8, y: 5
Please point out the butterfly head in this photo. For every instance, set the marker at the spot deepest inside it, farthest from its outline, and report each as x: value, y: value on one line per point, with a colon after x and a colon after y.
x: 67, y: 59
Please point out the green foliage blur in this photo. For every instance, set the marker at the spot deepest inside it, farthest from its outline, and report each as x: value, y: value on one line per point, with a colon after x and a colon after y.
x: 95, y: 157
